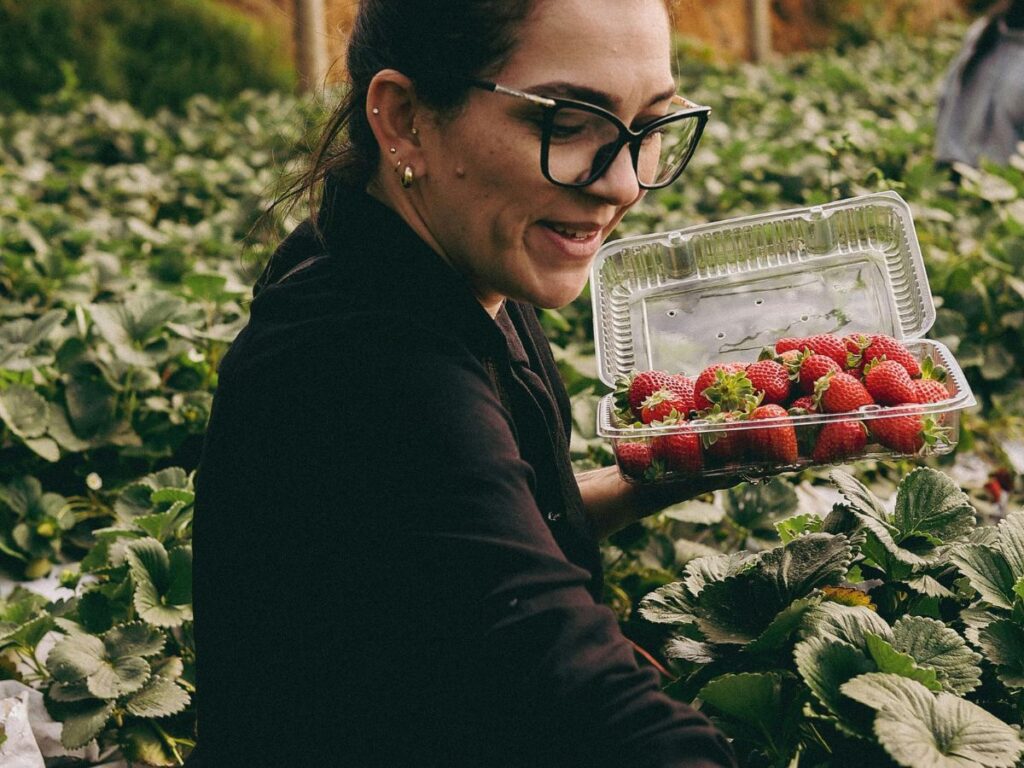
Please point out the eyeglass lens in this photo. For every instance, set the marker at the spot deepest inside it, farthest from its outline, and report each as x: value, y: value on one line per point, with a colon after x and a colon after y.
x: 581, y: 142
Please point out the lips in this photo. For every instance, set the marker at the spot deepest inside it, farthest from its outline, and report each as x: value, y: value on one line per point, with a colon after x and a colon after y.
x: 574, y: 231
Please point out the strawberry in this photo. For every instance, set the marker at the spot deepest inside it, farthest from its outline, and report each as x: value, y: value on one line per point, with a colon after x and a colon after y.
x: 790, y: 358
x: 726, y: 445
x: 725, y: 385
x: 889, y: 383
x: 929, y: 391
x: 841, y: 393
x: 804, y: 403
x: 683, y: 386
x: 790, y: 344
x: 855, y: 343
x: 930, y: 388
x: 633, y: 389
x: 839, y: 440
x: 634, y: 459
x: 664, y: 405
x: 680, y: 452
x: 776, y: 443
x: 828, y: 345
x: 908, y: 432
x: 812, y: 368
x: 887, y: 347
x: 771, y: 378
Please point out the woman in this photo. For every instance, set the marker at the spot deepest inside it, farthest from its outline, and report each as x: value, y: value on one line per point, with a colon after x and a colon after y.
x: 394, y: 563
x: 981, y: 106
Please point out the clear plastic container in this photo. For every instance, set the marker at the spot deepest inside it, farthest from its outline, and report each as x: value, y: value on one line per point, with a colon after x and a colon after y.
x: 678, y: 301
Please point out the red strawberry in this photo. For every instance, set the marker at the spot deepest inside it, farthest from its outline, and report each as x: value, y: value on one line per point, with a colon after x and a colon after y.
x: 772, y: 378
x: 929, y: 391
x: 633, y: 389
x: 683, y: 387
x: 776, y: 443
x: 841, y: 393
x: 839, y: 440
x: 790, y: 344
x: 634, y: 459
x: 725, y: 385
x: 887, y: 347
x: 908, y: 432
x: 813, y: 368
x: 726, y: 445
x: 664, y: 405
x: 828, y: 345
x: 889, y: 383
x: 804, y: 403
x: 855, y: 343
x: 680, y: 452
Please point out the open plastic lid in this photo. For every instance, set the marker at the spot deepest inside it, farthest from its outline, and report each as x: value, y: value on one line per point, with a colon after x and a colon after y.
x: 679, y: 300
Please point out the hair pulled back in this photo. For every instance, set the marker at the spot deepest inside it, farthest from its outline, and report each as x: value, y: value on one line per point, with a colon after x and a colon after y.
x: 436, y: 44
x: 1011, y: 11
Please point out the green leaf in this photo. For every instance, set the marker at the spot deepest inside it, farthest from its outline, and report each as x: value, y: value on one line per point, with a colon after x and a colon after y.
x: 75, y: 657
x: 989, y: 573
x: 845, y: 624
x: 1011, y: 543
x: 861, y: 500
x: 702, y: 571
x: 66, y: 692
x: 141, y: 744
x: 116, y: 677
x: 752, y: 698
x: 785, y: 623
x: 134, y: 639
x: 85, y: 724
x: 923, y: 730
x: 668, y: 605
x: 163, y: 582
x: 690, y: 650
x: 171, y: 495
x: 930, y: 503
x: 160, y: 697
x: 44, y: 447
x: 824, y: 666
x: 23, y: 411
x: 1003, y: 644
x: 798, y: 525
x: 934, y: 645
x: 892, y: 661
x: 928, y: 586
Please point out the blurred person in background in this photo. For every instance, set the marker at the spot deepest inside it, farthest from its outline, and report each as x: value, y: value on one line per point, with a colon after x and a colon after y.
x: 394, y: 562
x: 981, y: 104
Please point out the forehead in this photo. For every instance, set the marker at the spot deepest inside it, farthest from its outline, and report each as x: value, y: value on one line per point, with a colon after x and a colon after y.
x: 619, y: 47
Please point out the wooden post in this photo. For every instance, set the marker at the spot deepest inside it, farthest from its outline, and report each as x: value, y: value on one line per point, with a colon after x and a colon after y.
x: 310, y: 43
x: 760, y: 30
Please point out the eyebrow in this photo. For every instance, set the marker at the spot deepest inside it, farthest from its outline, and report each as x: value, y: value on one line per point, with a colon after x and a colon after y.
x: 589, y: 95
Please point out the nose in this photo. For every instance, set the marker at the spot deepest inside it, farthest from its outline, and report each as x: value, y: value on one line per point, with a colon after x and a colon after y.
x: 618, y: 184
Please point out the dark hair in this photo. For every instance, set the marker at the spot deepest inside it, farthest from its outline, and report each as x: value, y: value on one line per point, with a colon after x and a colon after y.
x: 435, y: 44
x: 1010, y: 10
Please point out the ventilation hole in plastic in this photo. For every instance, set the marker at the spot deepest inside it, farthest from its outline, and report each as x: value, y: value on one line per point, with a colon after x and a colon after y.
x: 671, y: 313
x: 721, y: 334
x: 804, y: 319
x: 759, y: 302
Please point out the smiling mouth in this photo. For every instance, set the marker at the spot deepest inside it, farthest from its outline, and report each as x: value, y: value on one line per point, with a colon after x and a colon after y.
x: 573, y: 232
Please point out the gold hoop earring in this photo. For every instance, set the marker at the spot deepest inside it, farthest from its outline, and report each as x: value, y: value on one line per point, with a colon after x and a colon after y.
x: 408, y: 177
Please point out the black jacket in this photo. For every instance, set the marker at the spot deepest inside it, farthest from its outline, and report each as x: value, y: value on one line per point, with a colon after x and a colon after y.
x: 392, y: 564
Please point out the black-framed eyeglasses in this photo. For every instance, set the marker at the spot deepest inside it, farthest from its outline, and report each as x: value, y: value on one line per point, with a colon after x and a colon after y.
x: 579, y: 141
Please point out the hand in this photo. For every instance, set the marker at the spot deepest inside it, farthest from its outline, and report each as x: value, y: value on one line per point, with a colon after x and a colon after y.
x: 612, y: 503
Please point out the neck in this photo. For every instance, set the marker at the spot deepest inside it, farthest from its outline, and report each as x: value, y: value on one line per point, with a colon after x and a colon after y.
x: 401, y: 202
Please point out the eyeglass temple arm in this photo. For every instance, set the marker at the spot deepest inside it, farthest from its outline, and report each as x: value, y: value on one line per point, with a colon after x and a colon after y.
x: 684, y: 102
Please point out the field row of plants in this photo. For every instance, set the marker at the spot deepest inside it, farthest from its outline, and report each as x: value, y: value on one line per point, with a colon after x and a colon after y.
x: 123, y: 278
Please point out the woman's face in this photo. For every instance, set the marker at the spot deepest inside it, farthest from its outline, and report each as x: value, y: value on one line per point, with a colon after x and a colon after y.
x: 483, y: 198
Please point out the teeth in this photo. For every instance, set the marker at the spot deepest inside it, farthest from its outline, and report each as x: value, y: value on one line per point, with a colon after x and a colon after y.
x: 570, y: 232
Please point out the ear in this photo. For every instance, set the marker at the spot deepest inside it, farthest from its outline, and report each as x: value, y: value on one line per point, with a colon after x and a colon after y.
x: 391, y: 110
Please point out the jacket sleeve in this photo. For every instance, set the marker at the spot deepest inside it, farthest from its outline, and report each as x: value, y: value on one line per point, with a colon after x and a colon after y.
x: 461, y: 513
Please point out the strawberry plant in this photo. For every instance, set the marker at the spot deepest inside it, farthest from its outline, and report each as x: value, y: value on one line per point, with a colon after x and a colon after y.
x: 845, y: 644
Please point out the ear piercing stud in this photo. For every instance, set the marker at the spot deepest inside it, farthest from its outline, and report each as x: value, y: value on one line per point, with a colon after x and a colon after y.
x: 376, y: 110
